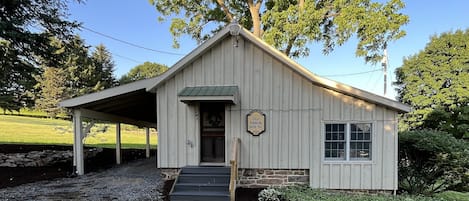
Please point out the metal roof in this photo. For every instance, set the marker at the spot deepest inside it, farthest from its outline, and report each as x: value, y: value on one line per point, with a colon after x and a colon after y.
x: 209, y: 91
x: 227, y: 94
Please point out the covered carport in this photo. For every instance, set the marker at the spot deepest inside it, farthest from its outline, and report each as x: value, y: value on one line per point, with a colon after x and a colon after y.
x: 129, y: 104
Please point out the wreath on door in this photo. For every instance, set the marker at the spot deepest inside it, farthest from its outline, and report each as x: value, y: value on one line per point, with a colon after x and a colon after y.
x: 214, y: 119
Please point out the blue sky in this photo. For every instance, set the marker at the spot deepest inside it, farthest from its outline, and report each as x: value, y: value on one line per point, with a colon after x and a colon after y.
x: 136, y: 22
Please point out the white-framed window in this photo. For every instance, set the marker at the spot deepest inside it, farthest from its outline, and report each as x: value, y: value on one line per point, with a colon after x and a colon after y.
x: 347, y: 141
x: 335, y: 141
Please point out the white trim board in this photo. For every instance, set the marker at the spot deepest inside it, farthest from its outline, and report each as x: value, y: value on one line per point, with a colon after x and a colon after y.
x: 108, y: 93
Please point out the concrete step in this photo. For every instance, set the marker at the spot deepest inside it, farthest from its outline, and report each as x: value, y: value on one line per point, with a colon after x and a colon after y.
x: 204, y: 178
x: 202, y: 184
x: 200, y: 196
x: 201, y: 187
x: 205, y: 170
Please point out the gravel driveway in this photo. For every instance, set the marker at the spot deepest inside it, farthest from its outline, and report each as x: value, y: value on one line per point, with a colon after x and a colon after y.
x: 138, y: 180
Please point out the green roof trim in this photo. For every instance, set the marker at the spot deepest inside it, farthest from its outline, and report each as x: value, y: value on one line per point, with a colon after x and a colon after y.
x: 209, y: 91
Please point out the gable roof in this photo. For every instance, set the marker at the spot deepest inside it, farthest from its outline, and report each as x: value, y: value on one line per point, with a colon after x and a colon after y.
x: 317, y: 80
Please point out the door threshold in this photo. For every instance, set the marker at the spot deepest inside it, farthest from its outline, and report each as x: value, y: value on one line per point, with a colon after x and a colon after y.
x: 211, y: 164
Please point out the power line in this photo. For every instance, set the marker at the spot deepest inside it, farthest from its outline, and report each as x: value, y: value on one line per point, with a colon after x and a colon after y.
x: 131, y: 44
x: 350, y: 74
x: 369, y: 78
x: 123, y: 57
x: 127, y: 58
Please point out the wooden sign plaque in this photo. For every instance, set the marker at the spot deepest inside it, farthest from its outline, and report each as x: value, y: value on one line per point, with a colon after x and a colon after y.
x: 255, y: 122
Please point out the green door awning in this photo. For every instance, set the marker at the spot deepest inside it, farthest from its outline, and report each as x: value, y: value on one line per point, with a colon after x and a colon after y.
x: 228, y: 94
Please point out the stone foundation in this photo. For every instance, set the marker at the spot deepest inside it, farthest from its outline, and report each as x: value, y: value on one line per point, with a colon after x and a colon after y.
x: 169, y: 173
x: 263, y: 178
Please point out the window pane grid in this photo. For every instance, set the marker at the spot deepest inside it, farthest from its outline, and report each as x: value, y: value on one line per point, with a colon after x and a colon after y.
x: 335, y: 141
x: 352, y: 139
x: 360, y: 141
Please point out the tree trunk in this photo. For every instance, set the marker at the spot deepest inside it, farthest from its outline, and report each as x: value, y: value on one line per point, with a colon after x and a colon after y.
x: 301, y: 4
x: 256, y: 18
x: 228, y: 14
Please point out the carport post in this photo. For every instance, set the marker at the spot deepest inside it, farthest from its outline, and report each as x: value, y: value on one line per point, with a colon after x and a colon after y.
x: 78, y: 142
x: 147, y: 131
x: 118, y: 143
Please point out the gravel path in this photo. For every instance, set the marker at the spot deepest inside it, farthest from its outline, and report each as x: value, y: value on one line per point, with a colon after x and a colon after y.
x: 138, y: 180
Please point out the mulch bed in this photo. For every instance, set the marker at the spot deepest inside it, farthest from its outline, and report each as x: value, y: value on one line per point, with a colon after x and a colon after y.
x: 14, y: 176
x: 247, y: 194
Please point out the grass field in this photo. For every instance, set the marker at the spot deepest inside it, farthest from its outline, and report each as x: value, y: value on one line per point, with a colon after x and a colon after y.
x: 31, y: 130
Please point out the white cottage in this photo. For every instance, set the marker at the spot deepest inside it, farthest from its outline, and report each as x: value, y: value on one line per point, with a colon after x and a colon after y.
x: 236, y: 101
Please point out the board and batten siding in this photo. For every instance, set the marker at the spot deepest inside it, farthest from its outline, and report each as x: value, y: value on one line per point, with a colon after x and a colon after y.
x: 381, y: 171
x: 295, y: 109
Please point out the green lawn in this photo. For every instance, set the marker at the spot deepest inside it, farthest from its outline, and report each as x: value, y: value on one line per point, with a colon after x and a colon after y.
x: 30, y: 130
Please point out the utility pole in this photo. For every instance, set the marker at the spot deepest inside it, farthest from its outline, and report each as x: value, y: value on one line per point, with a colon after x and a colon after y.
x: 384, y: 63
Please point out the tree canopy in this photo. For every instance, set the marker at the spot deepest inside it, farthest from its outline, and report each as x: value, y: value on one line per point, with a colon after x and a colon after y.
x: 76, y: 72
x: 290, y: 25
x: 143, y: 71
x: 26, y: 29
x: 52, y: 85
x: 435, y: 83
x: 103, y: 66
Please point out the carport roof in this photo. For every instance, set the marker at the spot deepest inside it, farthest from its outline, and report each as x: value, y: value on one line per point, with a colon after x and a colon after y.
x: 130, y: 101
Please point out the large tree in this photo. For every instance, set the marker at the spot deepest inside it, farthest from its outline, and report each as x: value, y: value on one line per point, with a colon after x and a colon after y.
x: 15, y: 78
x: 143, y: 71
x: 104, y: 67
x: 290, y: 25
x: 53, y: 89
x: 73, y: 72
x: 26, y: 27
x: 435, y: 83
x: 80, y: 68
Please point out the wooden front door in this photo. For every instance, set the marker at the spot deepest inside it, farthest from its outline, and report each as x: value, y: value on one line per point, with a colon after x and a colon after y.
x: 212, y: 132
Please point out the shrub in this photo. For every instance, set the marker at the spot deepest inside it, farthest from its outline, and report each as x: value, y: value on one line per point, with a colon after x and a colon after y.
x: 305, y: 193
x: 300, y: 193
x: 431, y: 162
x: 270, y: 194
